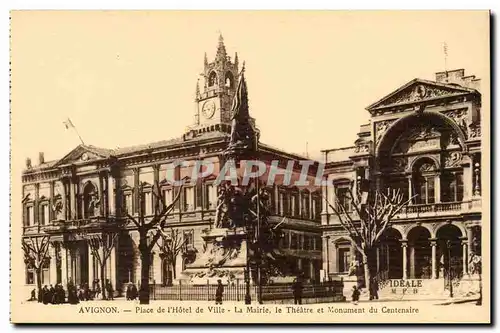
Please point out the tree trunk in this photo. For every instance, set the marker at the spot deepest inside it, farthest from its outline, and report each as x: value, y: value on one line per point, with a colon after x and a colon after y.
x: 103, y: 282
x: 39, y: 284
x: 173, y: 267
x: 145, y: 263
x: 370, y: 268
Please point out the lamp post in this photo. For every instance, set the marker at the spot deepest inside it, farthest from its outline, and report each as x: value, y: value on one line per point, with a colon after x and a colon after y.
x: 450, y: 277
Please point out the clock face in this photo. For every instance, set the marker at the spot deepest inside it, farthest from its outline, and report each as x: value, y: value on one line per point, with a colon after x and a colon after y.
x: 208, y: 109
x: 85, y: 157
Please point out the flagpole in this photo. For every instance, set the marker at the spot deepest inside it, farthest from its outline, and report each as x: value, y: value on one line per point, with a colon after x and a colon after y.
x: 76, y: 131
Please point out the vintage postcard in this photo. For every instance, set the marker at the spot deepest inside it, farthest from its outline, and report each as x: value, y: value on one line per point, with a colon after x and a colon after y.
x: 250, y: 167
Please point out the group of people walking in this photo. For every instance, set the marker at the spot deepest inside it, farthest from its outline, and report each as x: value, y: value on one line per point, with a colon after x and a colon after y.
x: 73, y: 294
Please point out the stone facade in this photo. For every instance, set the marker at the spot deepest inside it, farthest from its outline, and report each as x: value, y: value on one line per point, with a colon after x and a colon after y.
x: 97, y: 186
x: 425, y: 140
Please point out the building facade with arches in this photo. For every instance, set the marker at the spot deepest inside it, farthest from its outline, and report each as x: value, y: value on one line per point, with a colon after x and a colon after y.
x: 423, y: 139
x: 93, y: 186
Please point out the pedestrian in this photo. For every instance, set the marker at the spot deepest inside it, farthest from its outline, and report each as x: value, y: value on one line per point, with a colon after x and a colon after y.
x: 297, y: 291
x: 355, y: 295
x: 219, y: 292
x: 373, y: 289
x: 33, y: 295
x: 45, y: 295
x: 109, y: 289
x: 97, y: 289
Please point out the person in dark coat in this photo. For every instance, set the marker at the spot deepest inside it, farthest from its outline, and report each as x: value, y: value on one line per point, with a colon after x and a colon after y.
x: 33, y: 295
x: 52, y: 293
x: 297, y: 291
x: 219, y: 292
x: 109, y: 290
x: 45, y: 295
x: 355, y: 295
x: 373, y: 289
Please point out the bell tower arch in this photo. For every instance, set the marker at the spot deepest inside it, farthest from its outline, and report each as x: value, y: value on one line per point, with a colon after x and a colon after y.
x: 214, y: 97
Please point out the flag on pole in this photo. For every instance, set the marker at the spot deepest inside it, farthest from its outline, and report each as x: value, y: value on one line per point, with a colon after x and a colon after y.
x: 68, y: 124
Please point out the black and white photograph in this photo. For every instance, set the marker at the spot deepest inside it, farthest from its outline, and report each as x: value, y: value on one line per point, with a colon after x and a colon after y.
x: 250, y: 167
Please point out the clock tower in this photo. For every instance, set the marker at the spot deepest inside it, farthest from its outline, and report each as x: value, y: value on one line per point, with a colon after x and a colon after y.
x: 214, y: 100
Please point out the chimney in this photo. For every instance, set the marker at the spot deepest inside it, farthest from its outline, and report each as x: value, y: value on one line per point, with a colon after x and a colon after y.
x: 28, y: 163
x: 41, y: 158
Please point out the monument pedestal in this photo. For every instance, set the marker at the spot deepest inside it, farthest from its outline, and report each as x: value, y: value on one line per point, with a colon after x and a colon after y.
x: 224, y: 257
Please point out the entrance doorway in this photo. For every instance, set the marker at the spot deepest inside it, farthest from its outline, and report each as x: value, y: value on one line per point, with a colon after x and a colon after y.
x: 420, y: 253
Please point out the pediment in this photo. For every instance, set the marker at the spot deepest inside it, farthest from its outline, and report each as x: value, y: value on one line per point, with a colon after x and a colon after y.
x: 84, y: 154
x: 419, y: 90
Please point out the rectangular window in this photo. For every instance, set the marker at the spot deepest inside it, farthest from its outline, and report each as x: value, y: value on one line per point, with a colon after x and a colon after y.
x: 307, y: 244
x: 29, y: 216
x: 296, y: 211
x: 294, y: 241
x: 127, y: 203
x: 210, y: 196
x: 343, y: 197
x: 286, y: 239
x: 188, y: 199
x: 460, y: 187
x: 44, y: 214
x: 30, y: 275
x: 167, y: 196
x: 344, y: 255
x: 305, y: 205
x: 188, y: 238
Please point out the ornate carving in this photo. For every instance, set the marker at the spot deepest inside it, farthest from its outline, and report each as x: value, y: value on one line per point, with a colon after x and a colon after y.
x: 381, y: 127
x: 362, y: 146
x: 475, y: 130
x: 399, y: 164
x: 452, y: 159
x: 417, y: 93
x: 427, y: 166
x: 460, y: 118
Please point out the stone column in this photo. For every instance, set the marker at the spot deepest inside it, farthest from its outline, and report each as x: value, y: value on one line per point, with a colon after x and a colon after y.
x: 73, y: 199
x: 53, y: 265
x: 136, y: 192
x: 412, y: 261
x: 282, y: 209
x: 112, y: 268
x: 470, y: 237
x: 324, y: 206
x: 64, y: 198
x: 437, y: 188
x: 36, y: 212
x: 299, y: 199
x: 91, y: 267
x: 100, y: 192
x: 468, y: 179
x: 51, y: 204
x: 311, y: 206
x: 404, y: 245
x: 464, y: 256
x: 326, y: 257
x: 433, y: 258
x: 409, y: 188
x: 64, y: 266
x: 111, y: 195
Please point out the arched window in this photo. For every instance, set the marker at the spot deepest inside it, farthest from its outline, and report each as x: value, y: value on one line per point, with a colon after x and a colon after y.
x: 229, y: 81
x: 424, y: 174
x: 212, y: 79
x: 452, y: 185
x: 89, y: 200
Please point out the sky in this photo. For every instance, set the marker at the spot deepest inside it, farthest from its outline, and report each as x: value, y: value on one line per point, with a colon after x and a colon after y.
x: 127, y: 78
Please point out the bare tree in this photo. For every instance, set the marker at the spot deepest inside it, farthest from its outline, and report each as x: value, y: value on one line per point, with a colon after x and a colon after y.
x: 371, y: 215
x: 36, y: 254
x: 171, y: 244
x: 144, y: 225
x: 101, y: 246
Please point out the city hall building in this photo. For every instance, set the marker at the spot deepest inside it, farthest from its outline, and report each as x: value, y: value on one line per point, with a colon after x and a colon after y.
x: 97, y: 186
x: 424, y: 139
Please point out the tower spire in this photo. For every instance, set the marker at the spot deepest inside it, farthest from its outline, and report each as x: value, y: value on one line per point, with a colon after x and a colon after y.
x: 206, y: 60
x: 221, y: 48
x: 236, y: 59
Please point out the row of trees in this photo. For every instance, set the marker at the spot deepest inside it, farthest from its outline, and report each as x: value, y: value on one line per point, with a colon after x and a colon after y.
x: 102, y: 239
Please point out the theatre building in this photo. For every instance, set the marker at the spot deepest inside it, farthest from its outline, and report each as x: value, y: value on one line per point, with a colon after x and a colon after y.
x: 93, y: 186
x: 425, y: 140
